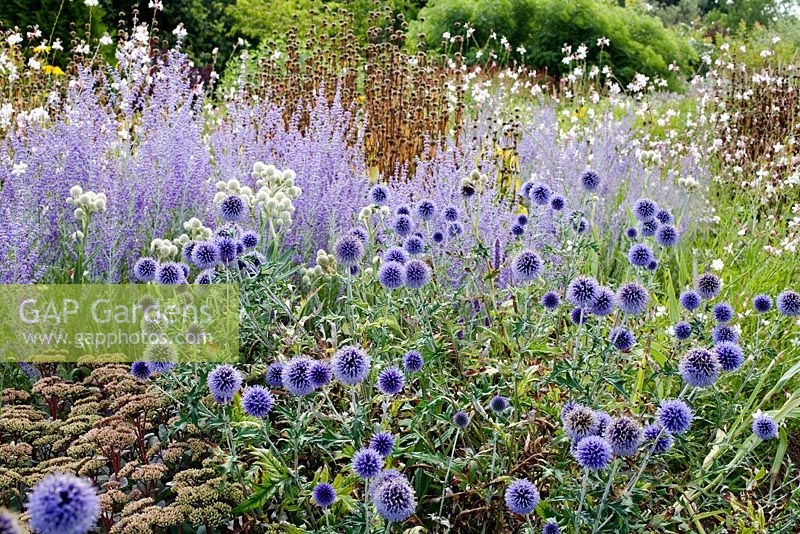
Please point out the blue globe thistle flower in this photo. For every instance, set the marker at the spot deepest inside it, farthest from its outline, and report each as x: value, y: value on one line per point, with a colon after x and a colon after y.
x: 8, y: 524
x: 438, y: 236
x: 239, y: 247
x: 581, y: 225
x: 391, y: 274
x: 170, y: 273
x: 361, y: 234
x: 205, y: 277
x: 249, y: 239
x: 762, y: 303
x: 224, y: 382
x: 623, y: 339
x: 522, y: 219
x: 426, y: 210
x: 722, y: 312
x: 640, y: 255
x: 402, y: 225
x: 403, y: 210
x: 391, y: 381
x: 590, y: 181
x: 412, y: 361
x: 551, y: 527
x: 603, y: 420
x: 604, y: 302
x: 764, y: 426
x: 593, y: 453
x: 395, y: 254
x: 632, y: 298
x: 788, y: 303
x: 526, y: 266
x: 417, y: 274
x: 517, y: 230
x: 160, y: 367
x: 414, y: 245
x: 348, y: 250
x: 226, y: 247
x: 550, y: 300
x: 382, y: 443
x: 367, y: 463
x: 722, y: 333
x: 674, y: 416
x: 648, y: 228
x: 232, y: 209
x: 658, y: 439
x: 144, y: 270
x: 455, y: 229
x: 522, y: 497
x: 708, y: 286
x: 140, y: 370
x: 667, y: 235
x: 461, y: 419
x: 652, y: 266
x: 568, y: 407
x: 296, y: 376
x: 690, y: 300
x: 320, y: 374
x: 451, y: 214
x: 580, y: 422
x: 557, y: 203
x: 682, y: 330
x: 379, y: 195
x: 582, y: 291
x: 395, y: 500
x: 387, y: 475
x: 645, y: 209
x: 257, y: 401
x: 624, y: 435
x: 699, y: 368
x: 665, y: 217
x: 540, y: 193
x: 498, y: 404
x: 351, y: 365
x: 275, y: 375
x: 730, y: 355
x: 228, y: 230
x: 63, y: 504
x: 205, y: 254
x: 631, y: 233
x: 324, y: 495
x: 579, y: 316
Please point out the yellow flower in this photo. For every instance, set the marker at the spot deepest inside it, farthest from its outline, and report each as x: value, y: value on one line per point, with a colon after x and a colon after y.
x: 42, y: 49
x: 53, y: 69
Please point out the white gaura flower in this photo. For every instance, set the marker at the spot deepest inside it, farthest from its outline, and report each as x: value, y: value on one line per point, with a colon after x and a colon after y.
x: 106, y: 40
x: 14, y: 39
x: 91, y: 3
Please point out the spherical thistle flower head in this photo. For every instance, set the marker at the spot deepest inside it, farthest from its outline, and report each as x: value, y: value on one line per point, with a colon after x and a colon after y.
x: 582, y: 291
x: 296, y: 376
x: 665, y: 217
x: 382, y: 443
x: 551, y: 527
x: 367, y: 463
x: 414, y: 245
x: 690, y: 300
x: 632, y: 298
x: 722, y: 312
x: 550, y: 300
x: 144, y: 270
x: 320, y: 374
x: 361, y: 234
x: 590, y: 181
x: 593, y: 453
x: 640, y: 255
x: 658, y: 440
x: 226, y: 247
x: 461, y: 419
x: 498, y: 404
x: 579, y: 316
x: 205, y: 277
x: 324, y: 495
x: 517, y: 230
x: 708, y: 286
x: 170, y: 273
x: 417, y: 275
x: 722, y: 333
x: 224, y: 382
x: 540, y: 193
x: 557, y: 203
x: 426, y: 210
x: 8, y: 523
x: 522, y: 496
x: 351, y: 365
x: 402, y: 225
x: 788, y: 303
x: 667, y: 235
x: 522, y: 219
x: 412, y: 361
x: 764, y: 426
x: 674, y: 416
x: 232, y: 209
x: 526, y: 266
x: 348, y: 250
x: 603, y: 420
x: 652, y: 266
x: 395, y: 500
x: 682, y: 330
x: 257, y: 401
x: 604, y: 302
x: 63, y: 504
x: 622, y: 338
x: 624, y: 435
x: 140, y: 370
x: 730, y: 355
x: 379, y: 195
x: 438, y: 236
x: 631, y: 233
x: 581, y: 225
x: 450, y: 214
x: 391, y: 381
x: 762, y: 303
x: 403, y: 210
x: 699, y: 368
x: 455, y: 229
x: 274, y: 375
x: 249, y: 239
x: 580, y: 422
x: 644, y: 209
x: 391, y: 274
x: 648, y: 228
x: 205, y: 255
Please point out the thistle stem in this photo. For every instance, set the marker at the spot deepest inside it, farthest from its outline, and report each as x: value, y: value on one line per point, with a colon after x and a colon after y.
x: 447, y: 473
